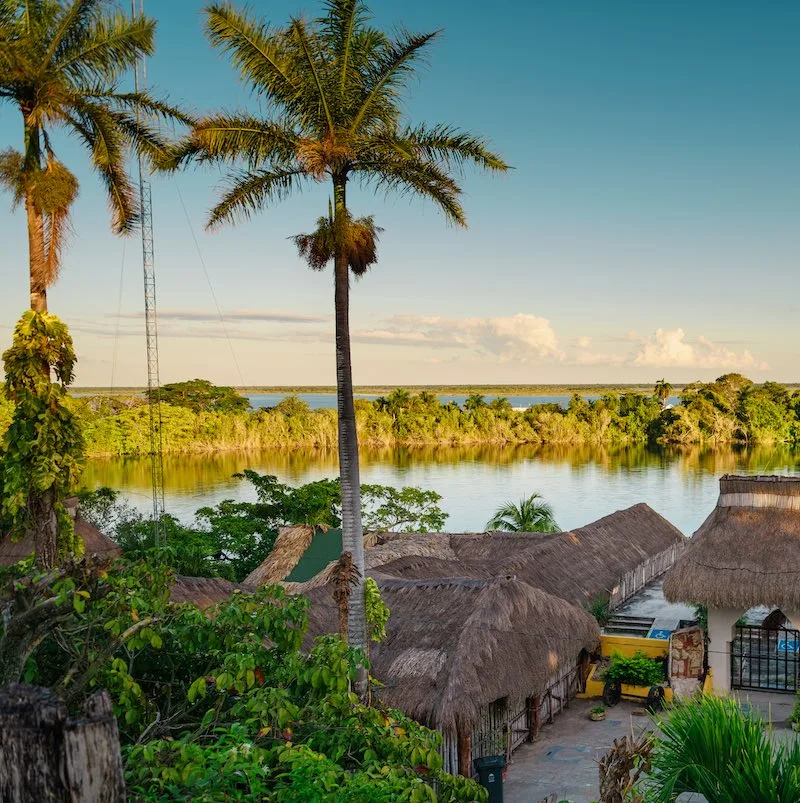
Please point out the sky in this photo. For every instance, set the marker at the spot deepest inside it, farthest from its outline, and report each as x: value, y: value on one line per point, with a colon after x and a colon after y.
x: 650, y: 226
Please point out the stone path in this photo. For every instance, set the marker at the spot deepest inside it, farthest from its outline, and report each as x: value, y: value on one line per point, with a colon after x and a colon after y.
x: 564, y: 758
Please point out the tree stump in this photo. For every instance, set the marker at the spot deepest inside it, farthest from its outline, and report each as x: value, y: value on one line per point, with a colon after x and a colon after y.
x: 45, y: 756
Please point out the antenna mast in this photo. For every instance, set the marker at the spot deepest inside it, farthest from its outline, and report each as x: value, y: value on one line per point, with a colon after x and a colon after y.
x: 151, y: 322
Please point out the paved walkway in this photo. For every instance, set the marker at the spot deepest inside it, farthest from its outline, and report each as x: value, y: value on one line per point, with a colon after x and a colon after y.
x: 563, y: 760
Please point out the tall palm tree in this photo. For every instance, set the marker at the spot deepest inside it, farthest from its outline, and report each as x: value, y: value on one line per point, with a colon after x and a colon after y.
x: 531, y: 515
x: 334, y: 91
x: 60, y: 61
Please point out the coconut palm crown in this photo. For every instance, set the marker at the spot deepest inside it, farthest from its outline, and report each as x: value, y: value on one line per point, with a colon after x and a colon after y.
x: 333, y: 91
x: 531, y: 515
x: 60, y: 64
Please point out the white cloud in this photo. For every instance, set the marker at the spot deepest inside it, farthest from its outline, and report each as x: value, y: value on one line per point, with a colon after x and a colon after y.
x: 584, y: 342
x: 510, y: 337
x: 669, y: 348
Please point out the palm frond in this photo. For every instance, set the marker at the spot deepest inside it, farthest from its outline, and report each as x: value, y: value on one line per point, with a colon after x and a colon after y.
x: 100, y: 131
x: 143, y: 103
x: 305, y: 44
x: 256, y: 50
x: 108, y: 48
x: 340, y: 24
x: 531, y: 515
x: 448, y: 146
x: 357, y: 238
x: 11, y: 173
x: 251, y: 191
x: 239, y: 138
x: 74, y: 21
x: 416, y: 177
x: 390, y: 68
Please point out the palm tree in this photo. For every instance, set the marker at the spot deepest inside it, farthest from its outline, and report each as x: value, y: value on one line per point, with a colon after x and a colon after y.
x: 531, y: 515
x: 426, y: 400
x: 333, y: 86
x: 501, y: 404
x: 662, y: 391
x: 59, y: 65
x: 474, y: 402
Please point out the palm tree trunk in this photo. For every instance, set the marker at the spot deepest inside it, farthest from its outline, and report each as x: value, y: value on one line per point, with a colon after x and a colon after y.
x: 37, y: 259
x: 352, y: 533
x: 36, y: 255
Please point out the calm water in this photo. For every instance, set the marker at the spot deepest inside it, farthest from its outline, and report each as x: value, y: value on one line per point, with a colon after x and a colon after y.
x: 318, y: 400
x: 582, y: 483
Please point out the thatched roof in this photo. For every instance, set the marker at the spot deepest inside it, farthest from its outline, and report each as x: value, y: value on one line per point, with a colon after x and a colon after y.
x: 204, y: 591
x: 94, y: 542
x: 290, y: 545
x: 455, y: 645
x: 577, y: 566
x: 747, y: 552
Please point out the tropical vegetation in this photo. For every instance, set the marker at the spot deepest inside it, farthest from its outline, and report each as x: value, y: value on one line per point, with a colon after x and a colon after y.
x: 231, y: 538
x: 42, y: 450
x: 710, y: 747
x: 729, y: 410
x: 334, y: 87
x: 60, y: 65
x: 226, y: 704
x: 532, y: 514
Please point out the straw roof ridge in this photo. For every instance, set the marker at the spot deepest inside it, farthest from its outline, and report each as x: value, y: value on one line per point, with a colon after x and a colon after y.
x: 289, y: 547
x: 744, y: 554
x: 576, y: 565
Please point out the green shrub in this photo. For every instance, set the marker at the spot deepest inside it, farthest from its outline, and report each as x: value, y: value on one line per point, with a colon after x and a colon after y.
x: 710, y: 747
x: 636, y: 670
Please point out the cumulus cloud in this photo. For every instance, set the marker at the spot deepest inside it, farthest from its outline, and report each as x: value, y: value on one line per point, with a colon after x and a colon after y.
x: 670, y: 348
x: 510, y: 337
x: 584, y: 342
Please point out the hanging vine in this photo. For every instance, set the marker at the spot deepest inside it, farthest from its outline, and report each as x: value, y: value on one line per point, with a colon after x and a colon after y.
x: 43, y: 448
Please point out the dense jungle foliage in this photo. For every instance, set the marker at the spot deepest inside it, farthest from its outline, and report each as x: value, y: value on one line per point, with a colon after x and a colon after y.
x: 732, y: 409
x: 226, y: 704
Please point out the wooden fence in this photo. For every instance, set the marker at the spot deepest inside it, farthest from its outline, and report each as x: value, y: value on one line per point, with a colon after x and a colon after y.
x: 502, y: 726
x: 636, y: 579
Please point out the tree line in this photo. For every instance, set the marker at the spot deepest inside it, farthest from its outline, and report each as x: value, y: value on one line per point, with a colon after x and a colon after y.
x: 730, y: 410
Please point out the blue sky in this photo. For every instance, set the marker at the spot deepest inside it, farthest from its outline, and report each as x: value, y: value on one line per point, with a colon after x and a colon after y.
x: 650, y: 226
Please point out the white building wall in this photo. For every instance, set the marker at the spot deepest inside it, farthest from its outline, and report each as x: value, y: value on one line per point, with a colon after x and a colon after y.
x: 720, y: 635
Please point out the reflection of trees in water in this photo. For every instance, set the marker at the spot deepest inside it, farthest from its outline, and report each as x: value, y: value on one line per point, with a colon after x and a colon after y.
x: 190, y: 472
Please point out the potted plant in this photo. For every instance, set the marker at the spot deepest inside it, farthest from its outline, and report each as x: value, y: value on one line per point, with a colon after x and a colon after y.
x: 598, y: 713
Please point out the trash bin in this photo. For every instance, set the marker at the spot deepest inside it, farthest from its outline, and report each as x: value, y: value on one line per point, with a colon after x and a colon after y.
x: 490, y: 775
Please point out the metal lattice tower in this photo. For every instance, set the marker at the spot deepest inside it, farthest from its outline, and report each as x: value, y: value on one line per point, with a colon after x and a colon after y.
x: 151, y: 324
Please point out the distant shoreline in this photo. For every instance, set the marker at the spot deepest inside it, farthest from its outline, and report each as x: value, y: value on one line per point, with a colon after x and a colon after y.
x: 442, y: 390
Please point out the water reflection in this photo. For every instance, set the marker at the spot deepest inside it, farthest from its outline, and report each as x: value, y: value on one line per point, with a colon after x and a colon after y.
x: 582, y: 482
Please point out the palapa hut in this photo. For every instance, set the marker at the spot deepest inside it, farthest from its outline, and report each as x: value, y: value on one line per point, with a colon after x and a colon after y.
x: 95, y: 544
x: 613, y: 557
x: 746, y: 554
x: 464, y: 655
x: 487, y: 630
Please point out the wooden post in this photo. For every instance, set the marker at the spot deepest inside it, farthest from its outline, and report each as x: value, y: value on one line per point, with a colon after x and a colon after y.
x: 534, y: 718
x: 94, y: 761
x: 464, y: 738
x: 46, y: 757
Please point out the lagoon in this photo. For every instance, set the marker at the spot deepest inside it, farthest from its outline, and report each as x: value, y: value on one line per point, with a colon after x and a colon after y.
x: 328, y: 400
x: 582, y: 483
